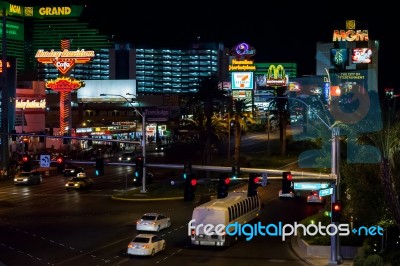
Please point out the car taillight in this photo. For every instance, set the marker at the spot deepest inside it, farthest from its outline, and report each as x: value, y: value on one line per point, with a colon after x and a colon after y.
x: 145, y: 246
x: 130, y: 246
x: 193, y: 232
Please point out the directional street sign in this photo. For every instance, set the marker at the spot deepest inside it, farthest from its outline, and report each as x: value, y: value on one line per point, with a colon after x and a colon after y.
x: 45, y: 160
x: 326, y: 192
x: 310, y: 186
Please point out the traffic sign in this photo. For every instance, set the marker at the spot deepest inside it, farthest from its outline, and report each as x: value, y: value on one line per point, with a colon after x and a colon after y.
x: 264, y: 180
x: 326, y: 192
x: 45, y: 160
x: 309, y: 186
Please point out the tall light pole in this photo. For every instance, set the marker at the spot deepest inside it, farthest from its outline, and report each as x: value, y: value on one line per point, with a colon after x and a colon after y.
x: 143, y: 115
x: 335, y: 257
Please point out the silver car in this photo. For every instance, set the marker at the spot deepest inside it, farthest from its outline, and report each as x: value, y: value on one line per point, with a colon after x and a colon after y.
x: 153, y: 222
x: 145, y: 245
x: 28, y: 178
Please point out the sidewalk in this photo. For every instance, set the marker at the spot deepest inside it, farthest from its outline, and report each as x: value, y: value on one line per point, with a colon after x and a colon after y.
x: 314, y: 260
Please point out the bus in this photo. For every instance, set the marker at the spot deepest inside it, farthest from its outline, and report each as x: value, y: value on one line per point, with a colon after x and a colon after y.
x: 236, y: 207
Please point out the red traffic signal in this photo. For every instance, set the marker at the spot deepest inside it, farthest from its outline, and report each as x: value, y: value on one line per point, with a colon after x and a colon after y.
x: 256, y: 179
x: 336, y: 207
x: 193, y: 182
x: 25, y: 159
x: 60, y: 160
x: 227, y: 181
x: 289, y: 177
x: 336, y: 211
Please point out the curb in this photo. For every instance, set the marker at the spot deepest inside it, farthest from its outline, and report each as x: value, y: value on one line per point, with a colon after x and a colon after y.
x: 145, y: 199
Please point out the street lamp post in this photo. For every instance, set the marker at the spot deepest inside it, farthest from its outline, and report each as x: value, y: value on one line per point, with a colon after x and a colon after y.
x: 143, y: 115
x: 335, y: 257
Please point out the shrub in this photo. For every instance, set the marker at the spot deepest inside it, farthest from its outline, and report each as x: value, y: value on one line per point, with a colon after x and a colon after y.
x: 374, y: 260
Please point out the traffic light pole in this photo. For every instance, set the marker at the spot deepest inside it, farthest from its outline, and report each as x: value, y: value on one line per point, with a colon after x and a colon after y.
x: 335, y: 242
x: 335, y: 257
x: 143, y: 115
x: 144, y: 152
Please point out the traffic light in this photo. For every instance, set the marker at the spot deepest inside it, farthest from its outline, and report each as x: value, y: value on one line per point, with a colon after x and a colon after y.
x: 223, y: 185
x: 187, y: 170
x: 26, y: 143
x: 13, y: 136
x: 60, y: 163
x: 336, y: 211
x: 287, y: 182
x: 190, y: 187
x: 254, y: 183
x: 26, y: 163
x: 235, y: 172
x: 99, y: 166
x: 139, y: 168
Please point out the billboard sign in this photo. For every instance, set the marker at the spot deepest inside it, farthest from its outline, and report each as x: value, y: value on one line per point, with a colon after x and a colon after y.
x: 242, y: 81
x: 350, y: 34
x: 93, y: 88
x: 41, y: 11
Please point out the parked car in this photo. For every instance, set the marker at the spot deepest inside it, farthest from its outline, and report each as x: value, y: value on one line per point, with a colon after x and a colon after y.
x: 153, y: 222
x: 79, y: 182
x: 314, y: 197
x: 28, y: 178
x: 127, y: 157
x: 146, y: 245
x: 73, y: 170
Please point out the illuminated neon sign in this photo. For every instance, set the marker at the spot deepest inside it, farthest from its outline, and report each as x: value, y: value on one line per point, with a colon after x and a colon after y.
x: 30, y: 104
x: 65, y: 60
x: 55, y: 11
x: 276, y: 76
x: 243, y: 50
x: 1, y: 65
x: 242, y: 65
x: 350, y: 34
x: 64, y: 84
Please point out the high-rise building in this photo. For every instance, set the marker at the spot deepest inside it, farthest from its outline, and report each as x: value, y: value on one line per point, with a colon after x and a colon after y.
x: 29, y: 29
x: 168, y: 71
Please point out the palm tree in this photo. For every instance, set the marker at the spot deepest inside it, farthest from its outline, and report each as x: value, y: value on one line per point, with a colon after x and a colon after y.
x: 197, y: 123
x: 241, y: 117
x: 205, y: 98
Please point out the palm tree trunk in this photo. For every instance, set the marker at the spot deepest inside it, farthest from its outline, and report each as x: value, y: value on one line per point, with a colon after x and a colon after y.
x: 238, y: 132
x: 389, y: 190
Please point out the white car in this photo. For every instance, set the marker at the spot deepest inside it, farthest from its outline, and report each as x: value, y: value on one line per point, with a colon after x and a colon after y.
x: 153, y: 222
x: 291, y: 194
x: 313, y: 197
x: 146, y: 245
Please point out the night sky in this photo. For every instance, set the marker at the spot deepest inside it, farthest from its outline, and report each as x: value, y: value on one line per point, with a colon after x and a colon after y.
x: 279, y: 31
